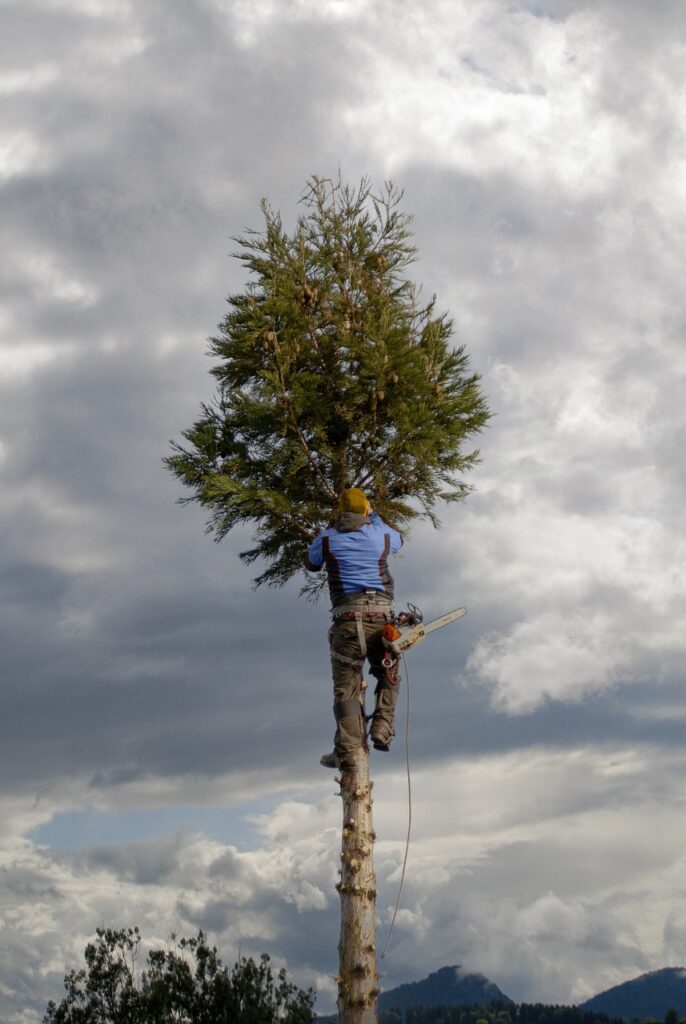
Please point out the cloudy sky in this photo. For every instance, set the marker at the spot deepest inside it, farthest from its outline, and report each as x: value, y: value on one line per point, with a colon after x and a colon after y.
x: 161, y: 724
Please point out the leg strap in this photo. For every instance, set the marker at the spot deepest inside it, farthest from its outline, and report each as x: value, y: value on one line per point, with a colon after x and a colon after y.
x: 347, y: 709
x: 361, y: 639
x: 355, y: 662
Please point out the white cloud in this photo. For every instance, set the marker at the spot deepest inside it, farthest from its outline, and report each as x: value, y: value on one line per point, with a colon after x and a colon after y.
x: 51, y: 903
x: 549, y: 917
x: 21, y: 152
x: 18, y: 362
x: 498, y: 863
x: 500, y: 878
x: 105, y: 9
x: 28, y: 80
x: 551, y: 656
x: 485, y: 91
x: 604, y: 604
x: 252, y: 19
x: 42, y: 270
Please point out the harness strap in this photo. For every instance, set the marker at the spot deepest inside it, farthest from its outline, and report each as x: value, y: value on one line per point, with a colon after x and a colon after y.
x: 360, y: 635
x: 355, y: 662
x: 367, y: 616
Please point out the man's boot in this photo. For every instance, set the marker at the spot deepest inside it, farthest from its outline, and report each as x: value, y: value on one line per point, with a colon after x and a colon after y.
x: 381, y: 733
x: 329, y: 760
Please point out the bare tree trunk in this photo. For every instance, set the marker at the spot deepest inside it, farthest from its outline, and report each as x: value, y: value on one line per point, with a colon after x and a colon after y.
x: 357, y: 977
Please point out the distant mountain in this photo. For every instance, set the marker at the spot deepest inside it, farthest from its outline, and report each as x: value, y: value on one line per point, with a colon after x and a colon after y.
x: 649, y: 995
x: 449, y: 986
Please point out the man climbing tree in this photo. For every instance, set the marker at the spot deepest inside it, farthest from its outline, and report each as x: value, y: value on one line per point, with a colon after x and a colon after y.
x: 335, y: 381
x: 355, y: 551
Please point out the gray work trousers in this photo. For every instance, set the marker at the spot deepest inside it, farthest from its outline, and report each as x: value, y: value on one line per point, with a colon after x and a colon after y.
x: 347, y: 661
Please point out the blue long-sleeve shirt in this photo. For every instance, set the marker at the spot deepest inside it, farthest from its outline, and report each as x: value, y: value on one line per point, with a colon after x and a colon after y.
x: 355, y: 552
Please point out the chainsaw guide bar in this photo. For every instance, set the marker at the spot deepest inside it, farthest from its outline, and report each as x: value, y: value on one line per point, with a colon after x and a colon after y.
x: 412, y: 633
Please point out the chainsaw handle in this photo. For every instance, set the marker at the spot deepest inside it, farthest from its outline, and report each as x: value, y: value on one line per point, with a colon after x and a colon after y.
x: 415, y: 613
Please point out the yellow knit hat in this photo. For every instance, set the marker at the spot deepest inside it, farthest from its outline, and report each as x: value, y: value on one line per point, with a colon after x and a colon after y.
x: 353, y: 500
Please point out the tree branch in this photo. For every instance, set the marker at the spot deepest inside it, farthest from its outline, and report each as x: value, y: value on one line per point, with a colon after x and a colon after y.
x: 311, y: 459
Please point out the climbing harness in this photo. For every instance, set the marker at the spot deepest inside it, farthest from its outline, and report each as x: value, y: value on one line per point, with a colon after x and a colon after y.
x: 359, y: 616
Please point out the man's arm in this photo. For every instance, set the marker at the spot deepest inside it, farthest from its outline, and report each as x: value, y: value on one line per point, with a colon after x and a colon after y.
x: 314, y: 559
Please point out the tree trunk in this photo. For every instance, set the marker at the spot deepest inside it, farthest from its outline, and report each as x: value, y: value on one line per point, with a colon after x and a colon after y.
x: 357, y: 977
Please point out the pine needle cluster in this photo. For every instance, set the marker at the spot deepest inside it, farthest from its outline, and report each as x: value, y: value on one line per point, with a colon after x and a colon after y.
x: 330, y: 374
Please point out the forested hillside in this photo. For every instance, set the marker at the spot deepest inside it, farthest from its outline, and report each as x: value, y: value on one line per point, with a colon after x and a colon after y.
x: 496, y: 1013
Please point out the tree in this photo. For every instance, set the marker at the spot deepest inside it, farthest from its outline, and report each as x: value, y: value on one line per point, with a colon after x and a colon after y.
x: 331, y: 373
x: 390, y: 1016
x: 185, y: 984
x: 105, y: 989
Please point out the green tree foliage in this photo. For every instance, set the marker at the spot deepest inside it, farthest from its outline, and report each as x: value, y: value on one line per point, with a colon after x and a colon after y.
x: 331, y: 373
x: 184, y: 985
x: 390, y: 1016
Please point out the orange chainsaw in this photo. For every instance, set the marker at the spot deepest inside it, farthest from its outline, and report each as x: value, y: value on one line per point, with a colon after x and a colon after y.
x: 409, y: 629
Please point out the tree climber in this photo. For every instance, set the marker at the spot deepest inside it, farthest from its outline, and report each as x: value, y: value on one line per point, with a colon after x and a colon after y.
x: 354, y: 551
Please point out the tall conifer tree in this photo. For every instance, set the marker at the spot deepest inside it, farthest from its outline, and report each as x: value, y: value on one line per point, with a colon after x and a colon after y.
x: 331, y: 374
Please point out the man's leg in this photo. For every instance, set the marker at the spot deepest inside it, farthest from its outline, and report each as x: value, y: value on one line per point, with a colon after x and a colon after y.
x: 346, y: 668
x: 386, y: 695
